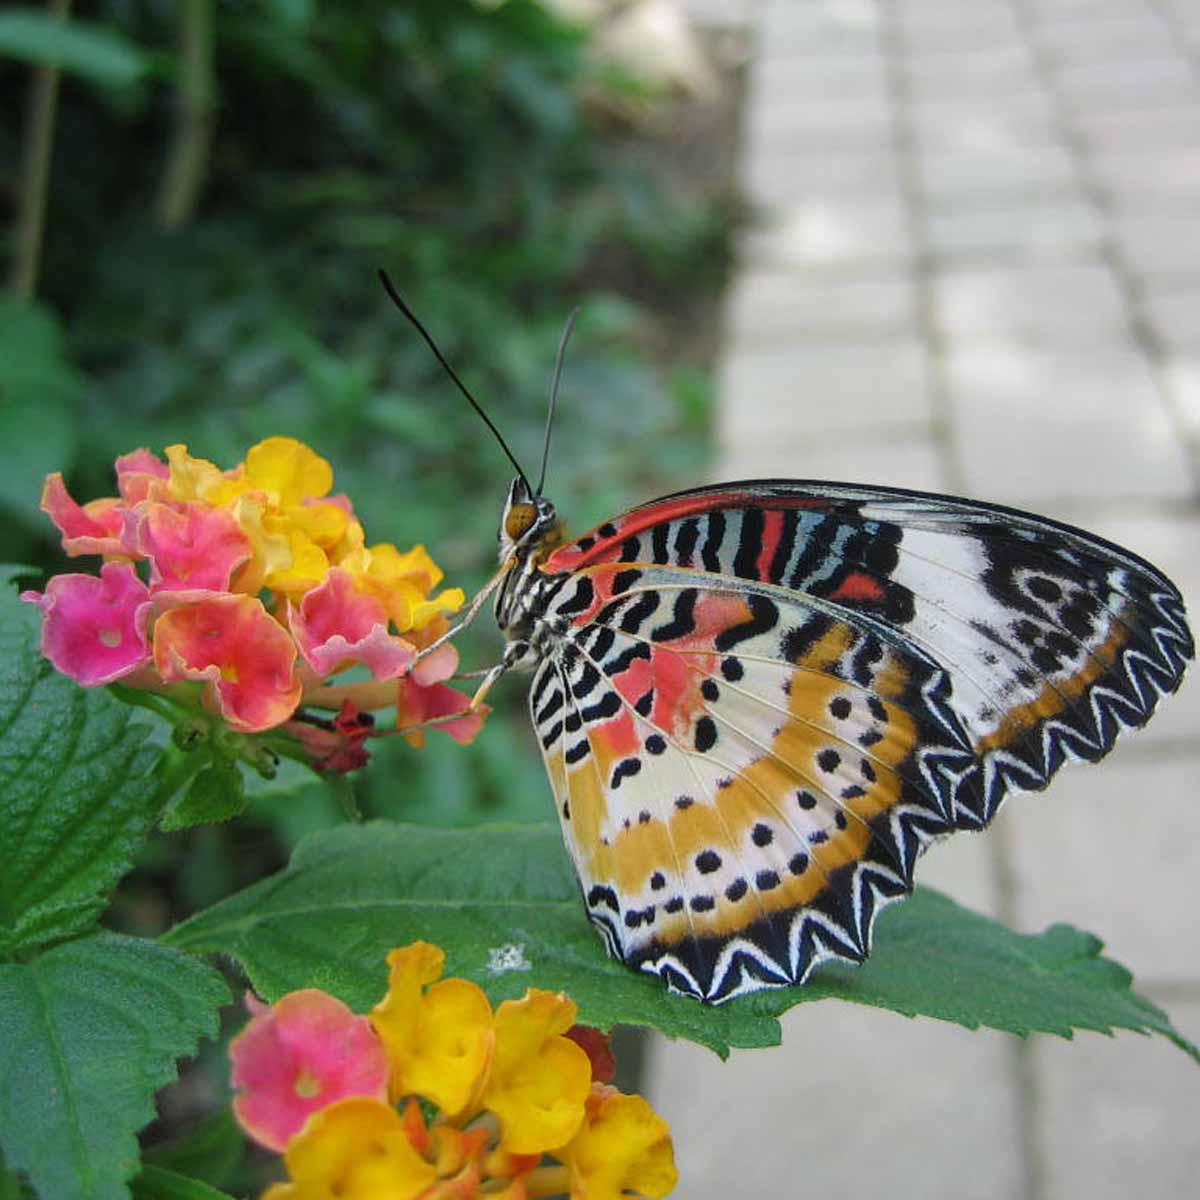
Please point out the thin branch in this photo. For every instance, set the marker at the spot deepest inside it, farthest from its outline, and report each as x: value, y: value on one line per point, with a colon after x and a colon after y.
x: 35, y: 170
x: 187, y: 159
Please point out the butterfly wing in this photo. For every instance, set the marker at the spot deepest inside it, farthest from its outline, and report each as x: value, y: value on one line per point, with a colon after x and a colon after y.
x: 763, y: 701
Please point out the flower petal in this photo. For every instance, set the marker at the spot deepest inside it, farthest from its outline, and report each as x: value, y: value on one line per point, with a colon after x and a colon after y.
x: 356, y: 1149
x: 94, y: 628
x: 92, y: 528
x: 303, y: 1053
x: 288, y: 471
x: 193, y: 478
x: 142, y: 475
x: 335, y: 624
x: 245, y: 656
x: 189, y: 545
x: 624, y: 1146
x: 415, y: 705
x: 439, y: 1038
x: 540, y: 1079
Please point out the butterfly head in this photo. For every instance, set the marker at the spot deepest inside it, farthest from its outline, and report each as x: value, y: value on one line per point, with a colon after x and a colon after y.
x: 527, y: 521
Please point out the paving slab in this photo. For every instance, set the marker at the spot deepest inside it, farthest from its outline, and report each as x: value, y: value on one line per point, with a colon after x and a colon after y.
x: 1173, y: 316
x: 842, y: 1104
x: 843, y: 122
x: 1034, y: 425
x: 1157, y: 247
x: 1076, y: 304
x: 937, y: 122
x: 1024, y: 230
x: 783, y: 307
x: 831, y: 234
x: 1105, y: 848
x: 797, y: 391
x: 783, y: 76
x: 1159, y: 177
x: 820, y: 27
x: 1127, y: 82
x: 997, y: 173
x: 1118, y: 1116
x: 910, y: 460
x: 779, y: 174
x: 987, y: 71
x: 1137, y: 30
x: 1175, y: 126
x: 1181, y: 379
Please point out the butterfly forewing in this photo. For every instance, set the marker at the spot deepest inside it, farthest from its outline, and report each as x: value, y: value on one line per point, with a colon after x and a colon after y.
x: 759, y: 702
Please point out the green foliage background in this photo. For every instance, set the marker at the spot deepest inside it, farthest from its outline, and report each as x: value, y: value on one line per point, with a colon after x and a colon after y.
x: 454, y: 144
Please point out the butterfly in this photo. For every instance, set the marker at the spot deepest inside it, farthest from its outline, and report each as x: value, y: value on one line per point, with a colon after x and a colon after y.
x: 759, y: 702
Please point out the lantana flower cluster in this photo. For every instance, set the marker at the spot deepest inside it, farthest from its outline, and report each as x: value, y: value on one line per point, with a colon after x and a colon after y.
x: 253, y: 587
x: 436, y: 1096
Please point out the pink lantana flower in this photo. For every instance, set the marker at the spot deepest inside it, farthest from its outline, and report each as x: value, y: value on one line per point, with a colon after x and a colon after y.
x: 423, y: 697
x: 239, y: 650
x: 298, y: 1056
x: 94, y: 627
x: 142, y: 475
x: 92, y: 528
x: 335, y: 625
x: 258, y: 583
x: 188, y: 545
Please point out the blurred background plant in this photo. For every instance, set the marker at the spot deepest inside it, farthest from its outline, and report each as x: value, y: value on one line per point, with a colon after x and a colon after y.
x: 200, y: 194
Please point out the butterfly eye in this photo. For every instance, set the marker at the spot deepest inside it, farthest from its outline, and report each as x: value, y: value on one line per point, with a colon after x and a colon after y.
x: 520, y: 517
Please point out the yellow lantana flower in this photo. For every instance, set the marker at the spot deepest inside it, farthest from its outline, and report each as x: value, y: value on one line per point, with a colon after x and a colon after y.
x: 623, y: 1147
x: 539, y: 1079
x: 402, y: 583
x: 355, y: 1149
x: 438, y: 1036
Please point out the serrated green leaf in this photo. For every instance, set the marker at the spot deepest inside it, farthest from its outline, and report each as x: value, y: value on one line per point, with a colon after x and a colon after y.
x: 155, y: 1183
x: 216, y: 793
x: 503, y: 895
x: 92, y: 1028
x: 77, y: 790
x: 101, y: 55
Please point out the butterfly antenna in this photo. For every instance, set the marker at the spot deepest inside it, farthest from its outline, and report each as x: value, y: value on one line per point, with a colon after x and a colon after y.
x: 558, y: 366
x: 398, y: 301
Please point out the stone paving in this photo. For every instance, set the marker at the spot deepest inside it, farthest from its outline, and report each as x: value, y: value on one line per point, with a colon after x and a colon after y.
x: 975, y: 267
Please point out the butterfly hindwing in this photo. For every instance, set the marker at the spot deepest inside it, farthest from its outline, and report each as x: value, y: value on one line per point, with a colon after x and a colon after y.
x: 763, y: 701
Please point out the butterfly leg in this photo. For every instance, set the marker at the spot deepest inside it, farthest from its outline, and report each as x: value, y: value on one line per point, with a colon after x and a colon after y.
x: 470, y: 613
x: 514, y: 652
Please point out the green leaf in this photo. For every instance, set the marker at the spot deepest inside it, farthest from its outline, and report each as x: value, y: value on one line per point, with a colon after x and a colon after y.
x: 77, y: 791
x: 104, y: 57
x: 39, y: 389
x: 498, y: 895
x: 99, y: 1023
x: 216, y: 793
x: 154, y: 1183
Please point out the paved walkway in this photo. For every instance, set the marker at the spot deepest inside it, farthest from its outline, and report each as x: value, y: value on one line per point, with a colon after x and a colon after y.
x: 976, y: 268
